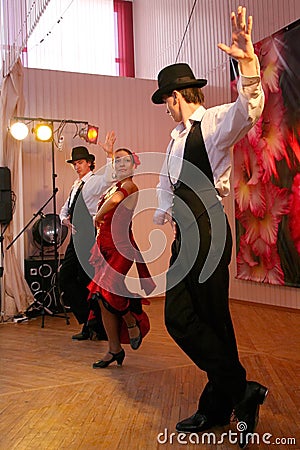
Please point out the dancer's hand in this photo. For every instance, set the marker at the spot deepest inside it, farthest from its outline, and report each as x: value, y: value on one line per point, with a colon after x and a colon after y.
x: 108, y: 145
x: 241, y: 47
x: 69, y: 224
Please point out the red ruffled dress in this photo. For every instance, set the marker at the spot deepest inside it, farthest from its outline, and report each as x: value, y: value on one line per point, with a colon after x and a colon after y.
x: 112, y: 256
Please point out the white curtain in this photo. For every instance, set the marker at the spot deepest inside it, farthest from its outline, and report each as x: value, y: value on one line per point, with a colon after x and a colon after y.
x: 15, y: 293
x: 75, y: 36
x: 18, y: 19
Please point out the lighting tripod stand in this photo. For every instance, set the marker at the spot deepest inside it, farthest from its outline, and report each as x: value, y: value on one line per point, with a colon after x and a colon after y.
x: 55, y: 235
x: 39, y: 304
x: 44, y: 131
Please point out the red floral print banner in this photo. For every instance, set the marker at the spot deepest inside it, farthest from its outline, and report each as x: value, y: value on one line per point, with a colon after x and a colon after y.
x: 267, y: 169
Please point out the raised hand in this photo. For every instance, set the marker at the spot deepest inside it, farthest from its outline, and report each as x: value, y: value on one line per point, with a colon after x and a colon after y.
x: 108, y: 145
x: 241, y: 44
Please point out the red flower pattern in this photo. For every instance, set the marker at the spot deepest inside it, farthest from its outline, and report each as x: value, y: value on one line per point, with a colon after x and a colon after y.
x: 260, y: 198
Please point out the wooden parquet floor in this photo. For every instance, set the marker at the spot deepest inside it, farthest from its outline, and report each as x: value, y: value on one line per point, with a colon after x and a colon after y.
x: 51, y: 398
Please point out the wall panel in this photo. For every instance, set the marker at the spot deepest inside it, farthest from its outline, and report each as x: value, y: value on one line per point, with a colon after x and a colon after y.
x: 112, y: 103
x: 124, y: 104
x: 159, y: 27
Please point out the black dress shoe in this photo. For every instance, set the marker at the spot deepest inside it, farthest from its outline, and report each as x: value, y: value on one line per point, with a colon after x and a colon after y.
x: 83, y: 335
x: 119, y: 357
x: 199, y: 422
x: 247, y: 410
x: 136, y: 341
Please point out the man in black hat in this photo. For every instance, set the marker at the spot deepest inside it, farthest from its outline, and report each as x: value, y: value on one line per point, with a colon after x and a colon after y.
x: 194, y: 178
x: 77, y: 214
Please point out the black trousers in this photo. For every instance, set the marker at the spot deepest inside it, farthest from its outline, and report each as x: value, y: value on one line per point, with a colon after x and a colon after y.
x: 197, y: 317
x: 73, y: 281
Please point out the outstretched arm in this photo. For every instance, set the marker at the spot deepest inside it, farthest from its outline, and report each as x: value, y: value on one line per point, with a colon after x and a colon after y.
x: 241, y: 47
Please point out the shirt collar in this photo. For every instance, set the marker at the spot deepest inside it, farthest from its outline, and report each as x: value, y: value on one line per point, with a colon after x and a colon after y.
x: 87, y: 176
x: 84, y: 179
x: 182, y: 129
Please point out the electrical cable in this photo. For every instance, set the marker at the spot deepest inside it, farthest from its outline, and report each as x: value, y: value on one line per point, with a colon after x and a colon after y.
x: 185, y: 31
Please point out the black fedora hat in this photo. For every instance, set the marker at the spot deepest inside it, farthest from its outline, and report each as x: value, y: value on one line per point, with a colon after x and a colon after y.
x: 80, y: 153
x: 175, y: 77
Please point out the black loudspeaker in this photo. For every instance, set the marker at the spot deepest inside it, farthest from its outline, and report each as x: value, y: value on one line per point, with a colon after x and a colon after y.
x: 42, y: 280
x: 5, y: 196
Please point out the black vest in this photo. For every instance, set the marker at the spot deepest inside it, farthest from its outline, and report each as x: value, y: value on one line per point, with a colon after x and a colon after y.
x: 194, y: 191
x: 72, y: 205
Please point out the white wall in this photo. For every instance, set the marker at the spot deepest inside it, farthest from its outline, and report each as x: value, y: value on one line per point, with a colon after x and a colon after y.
x: 124, y: 104
x: 112, y: 103
x: 159, y: 28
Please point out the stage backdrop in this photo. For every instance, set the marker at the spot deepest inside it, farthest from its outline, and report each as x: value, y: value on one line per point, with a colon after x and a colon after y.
x: 267, y: 169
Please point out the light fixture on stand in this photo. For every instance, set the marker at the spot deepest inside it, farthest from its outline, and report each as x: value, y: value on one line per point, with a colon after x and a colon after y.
x: 89, y: 133
x: 43, y: 129
x: 19, y: 130
x: 43, y: 132
x: 44, y: 230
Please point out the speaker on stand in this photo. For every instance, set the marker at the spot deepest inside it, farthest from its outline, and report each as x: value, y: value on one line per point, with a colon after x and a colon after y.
x: 6, y: 213
x: 6, y: 203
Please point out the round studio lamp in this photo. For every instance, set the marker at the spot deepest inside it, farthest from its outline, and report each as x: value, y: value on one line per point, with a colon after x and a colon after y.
x: 19, y: 130
x: 43, y: 132
x: 89, y: 134
x: 43, y: 231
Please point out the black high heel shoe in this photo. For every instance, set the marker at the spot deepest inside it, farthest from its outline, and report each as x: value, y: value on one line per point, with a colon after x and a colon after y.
x: 119, y: 357
x: 135, y: 342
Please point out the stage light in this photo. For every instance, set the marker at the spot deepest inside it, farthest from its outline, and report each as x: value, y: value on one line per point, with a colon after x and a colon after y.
x: 44, y: 229
x: 92, y: 134
x: 89, y: 134
x: 43, y: 132
x: 19, y: 130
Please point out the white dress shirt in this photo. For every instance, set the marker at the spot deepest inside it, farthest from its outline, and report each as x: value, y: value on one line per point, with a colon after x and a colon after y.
x: 94, y: 186
x: 222, y: 126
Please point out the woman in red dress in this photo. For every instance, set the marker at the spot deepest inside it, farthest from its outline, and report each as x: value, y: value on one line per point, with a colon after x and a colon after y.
x: 112, y: 256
